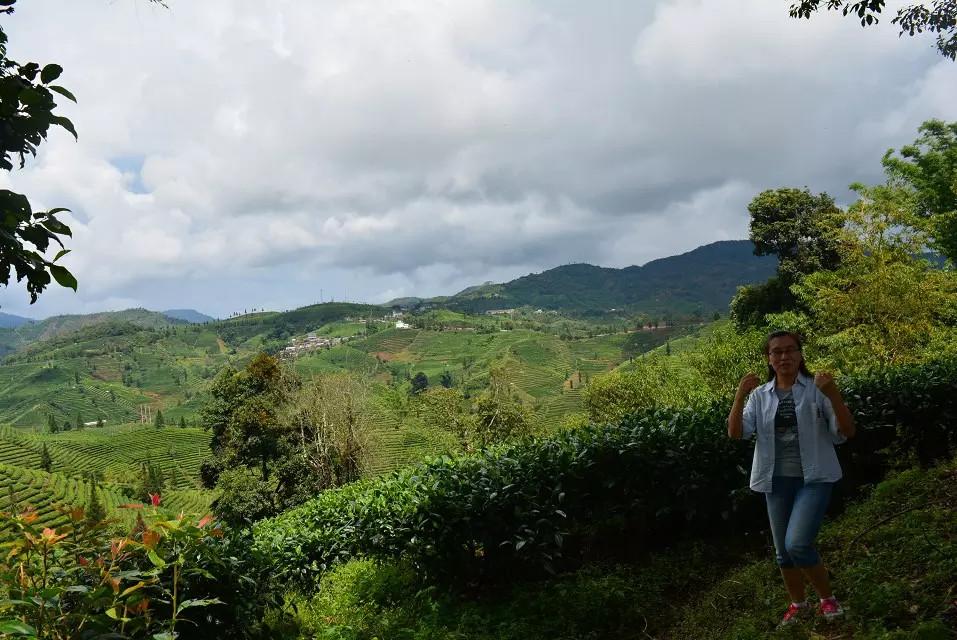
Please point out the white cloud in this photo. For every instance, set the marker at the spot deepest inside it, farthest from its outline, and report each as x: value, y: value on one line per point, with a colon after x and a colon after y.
x: 236, y: 154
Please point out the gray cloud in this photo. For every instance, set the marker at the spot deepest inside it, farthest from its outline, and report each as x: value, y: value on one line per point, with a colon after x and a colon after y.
x: 239, y: 154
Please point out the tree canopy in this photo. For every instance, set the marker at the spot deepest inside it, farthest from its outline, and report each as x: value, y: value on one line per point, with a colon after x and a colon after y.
x: 939, y: 17
x: 27, y: 107
x: 798, y: 227
x: 929, y: 167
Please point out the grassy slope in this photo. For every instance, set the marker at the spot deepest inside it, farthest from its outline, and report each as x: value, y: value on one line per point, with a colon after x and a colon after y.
x: 893, y: 557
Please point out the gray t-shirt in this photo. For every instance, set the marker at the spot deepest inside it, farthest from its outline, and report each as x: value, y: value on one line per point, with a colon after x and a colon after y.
x: 787, y: 450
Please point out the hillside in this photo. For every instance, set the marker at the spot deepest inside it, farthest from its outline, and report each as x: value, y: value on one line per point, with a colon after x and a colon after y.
x: 15, y: 338
x: 107, y: 370
x: 705, y: 278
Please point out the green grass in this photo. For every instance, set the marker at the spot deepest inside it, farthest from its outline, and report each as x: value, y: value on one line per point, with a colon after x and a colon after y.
x: 893, y: 557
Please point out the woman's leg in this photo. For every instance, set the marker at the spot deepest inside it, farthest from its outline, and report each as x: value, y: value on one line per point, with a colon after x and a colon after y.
x: 780, y: 505
x: 794, y: 583
x: 819, y: 580
x: 810, y: 505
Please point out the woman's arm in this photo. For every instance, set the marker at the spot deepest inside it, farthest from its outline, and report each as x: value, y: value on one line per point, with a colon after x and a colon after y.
x: 736, y: 418
x: 824, y: 381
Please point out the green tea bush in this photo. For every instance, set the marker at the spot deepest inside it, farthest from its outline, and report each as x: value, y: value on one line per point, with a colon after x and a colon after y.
x: 545, y: 505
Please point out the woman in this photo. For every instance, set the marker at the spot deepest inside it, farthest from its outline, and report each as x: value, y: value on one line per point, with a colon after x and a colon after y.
x: 798, y: 420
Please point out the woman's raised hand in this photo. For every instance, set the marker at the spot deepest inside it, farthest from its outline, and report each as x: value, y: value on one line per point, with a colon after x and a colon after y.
x: 824, y: 380
x: 748, y: 384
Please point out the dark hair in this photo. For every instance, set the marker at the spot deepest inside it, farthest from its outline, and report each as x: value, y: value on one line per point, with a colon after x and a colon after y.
x: 785, y: 334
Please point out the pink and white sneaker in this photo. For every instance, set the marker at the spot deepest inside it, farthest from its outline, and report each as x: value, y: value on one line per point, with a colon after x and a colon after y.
x: 830, y: 609
x: 795, y: 615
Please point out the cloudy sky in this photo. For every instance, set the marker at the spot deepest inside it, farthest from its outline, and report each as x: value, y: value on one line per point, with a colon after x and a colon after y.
x: 239, y: 154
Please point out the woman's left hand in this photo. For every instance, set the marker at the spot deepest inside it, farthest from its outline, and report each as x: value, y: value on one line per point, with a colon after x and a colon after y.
x: 824, y: 380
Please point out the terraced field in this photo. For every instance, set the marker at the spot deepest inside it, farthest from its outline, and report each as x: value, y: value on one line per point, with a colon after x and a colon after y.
x: 341, y: 358
x: 113, y: 451
x: 388, y: 449
x: 44, y: 492
x: 388, y: 341
x: 32, y: 392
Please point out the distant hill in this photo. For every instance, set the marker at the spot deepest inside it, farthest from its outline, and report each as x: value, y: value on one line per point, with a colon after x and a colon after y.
x: 18, y: 337
x: 405, y: 303
x: 705, y: 278
x: 189, y: 315
x: 10, y: 321
x: 107, y: 369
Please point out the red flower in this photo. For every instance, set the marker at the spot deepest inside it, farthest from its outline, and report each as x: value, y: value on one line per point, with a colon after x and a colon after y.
x: 155, y: 499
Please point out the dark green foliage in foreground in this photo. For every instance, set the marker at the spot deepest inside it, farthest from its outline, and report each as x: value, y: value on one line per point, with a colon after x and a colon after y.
x: 547, y: 505
x: 892, y: 557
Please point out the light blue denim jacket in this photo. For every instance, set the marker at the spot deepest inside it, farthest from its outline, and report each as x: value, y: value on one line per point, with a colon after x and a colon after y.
x: 817, y: 433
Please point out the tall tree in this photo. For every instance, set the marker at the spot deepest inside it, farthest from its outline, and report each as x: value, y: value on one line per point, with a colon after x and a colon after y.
x: 498, y: 414
x: 420, y: 382
x: 95, y: 512
x: 46, y: 461
x: 801, y: 229
x: 884, y: 305
x: 243, y: 414
x: 929, y: 166
x: 938, y: 16
x: 328, y: 425
x: 446, y: 379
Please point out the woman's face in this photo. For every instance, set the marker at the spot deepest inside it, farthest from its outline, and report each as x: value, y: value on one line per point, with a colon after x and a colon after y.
x: 784, y: 356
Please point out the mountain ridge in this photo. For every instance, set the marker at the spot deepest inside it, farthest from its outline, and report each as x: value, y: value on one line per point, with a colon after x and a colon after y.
x: 10, y: 321
x: 705, y: 278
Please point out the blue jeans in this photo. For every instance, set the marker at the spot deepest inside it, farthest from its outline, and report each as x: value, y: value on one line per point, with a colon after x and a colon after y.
x: 796, y: 511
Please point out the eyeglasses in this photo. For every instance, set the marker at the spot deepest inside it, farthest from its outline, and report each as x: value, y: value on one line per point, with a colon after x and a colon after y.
x: 777, y: 353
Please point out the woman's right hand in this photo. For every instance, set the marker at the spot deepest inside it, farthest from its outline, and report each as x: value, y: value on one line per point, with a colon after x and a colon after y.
x: 748, y: 384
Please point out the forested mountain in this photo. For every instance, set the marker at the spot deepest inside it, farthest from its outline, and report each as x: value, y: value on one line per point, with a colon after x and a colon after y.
x: 189, y: 315
x: 705, y: 278
x: 7, y: 320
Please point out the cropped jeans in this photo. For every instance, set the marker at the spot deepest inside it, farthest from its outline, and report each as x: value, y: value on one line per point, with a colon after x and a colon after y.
x: 796, y: 510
